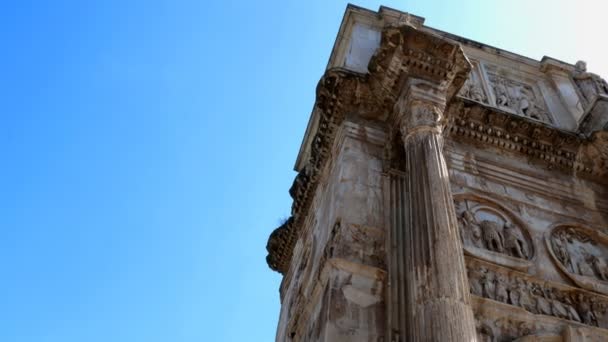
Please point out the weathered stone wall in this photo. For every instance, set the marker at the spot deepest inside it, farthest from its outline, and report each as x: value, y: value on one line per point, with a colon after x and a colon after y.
x: 530, y: 293
x: 335, y: 288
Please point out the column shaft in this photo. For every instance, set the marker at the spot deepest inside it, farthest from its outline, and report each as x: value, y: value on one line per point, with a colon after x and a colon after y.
x: 437, y: 286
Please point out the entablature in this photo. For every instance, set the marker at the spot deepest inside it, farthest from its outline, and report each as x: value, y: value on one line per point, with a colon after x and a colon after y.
x: 573, y: 153
x: 560, y: 94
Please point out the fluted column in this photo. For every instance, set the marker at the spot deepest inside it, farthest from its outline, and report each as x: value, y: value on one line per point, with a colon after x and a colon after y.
x: 437, y: 292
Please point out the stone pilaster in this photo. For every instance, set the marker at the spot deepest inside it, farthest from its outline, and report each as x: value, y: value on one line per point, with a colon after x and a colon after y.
x: 436, y: 288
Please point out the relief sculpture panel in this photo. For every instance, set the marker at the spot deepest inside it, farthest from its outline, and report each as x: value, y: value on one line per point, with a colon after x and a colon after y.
x: 581, y: 254
x: 512, y: 330
x: 492, y: 233
x: 537, y: 297
x: 473, y: 87
x: 518, y: 96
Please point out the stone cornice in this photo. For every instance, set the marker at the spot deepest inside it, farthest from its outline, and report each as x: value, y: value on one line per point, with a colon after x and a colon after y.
x: 338, y: 91
x: 406, y: 53
x: 555, y: 148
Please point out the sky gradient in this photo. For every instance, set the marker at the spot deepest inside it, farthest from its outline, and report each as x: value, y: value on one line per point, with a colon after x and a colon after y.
x: 147, y: 149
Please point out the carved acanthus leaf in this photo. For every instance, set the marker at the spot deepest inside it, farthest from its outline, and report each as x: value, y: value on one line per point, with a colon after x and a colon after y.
x: 406, y: 52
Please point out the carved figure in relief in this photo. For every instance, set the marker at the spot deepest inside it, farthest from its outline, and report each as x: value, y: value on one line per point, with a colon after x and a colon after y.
x: 600, y: 267
x: 542, y: 304
x: 473, y: 91
x: 599, y: 312
x: 535, y: 112
x: 525, y: 299
x: 527, y: 104
x: 590, y: 84
x: 537, y: 298
x: 559, y: 310
x: 514, y: 243
x: 584, y: 310
x: 491, y: 236
x: 475, y: 277
x: 501, y: 289
x: 464, y: 220
x: 488, y: 285
x: 514, y: 293
x: 524, y: 101
x: 511, y: 329
x: 520, y: 97
x: 488, y: 228
x: 584, y: 268
x: 561, y: 251
x: 469, y: 229
x: 580, y: 254
x: 476, y: 94
x: 572, y: 314
x: 502, y: 94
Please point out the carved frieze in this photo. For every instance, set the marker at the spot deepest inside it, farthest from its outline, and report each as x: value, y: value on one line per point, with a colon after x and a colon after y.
x: 581, y: 254
x: 536, y: 296
x: 519, y: 97
x: 514, y: 330
x: 473, y: 88
x: 492, y: 233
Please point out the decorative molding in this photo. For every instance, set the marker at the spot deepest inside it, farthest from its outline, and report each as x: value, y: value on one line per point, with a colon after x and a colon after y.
x: 571, y: 197
x: 338, y: 91
x: 550, y: 146
x: 405, y: 51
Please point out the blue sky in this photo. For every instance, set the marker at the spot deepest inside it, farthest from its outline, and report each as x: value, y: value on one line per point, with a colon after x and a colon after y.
x: 147, y: 148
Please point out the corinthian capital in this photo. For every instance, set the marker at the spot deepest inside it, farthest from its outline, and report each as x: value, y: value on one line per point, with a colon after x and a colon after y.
x: 420, y: 107
x: 406, y: 52
x: 416, y: 73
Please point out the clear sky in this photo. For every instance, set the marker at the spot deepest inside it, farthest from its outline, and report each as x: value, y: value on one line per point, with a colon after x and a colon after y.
x: 146, y: 150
